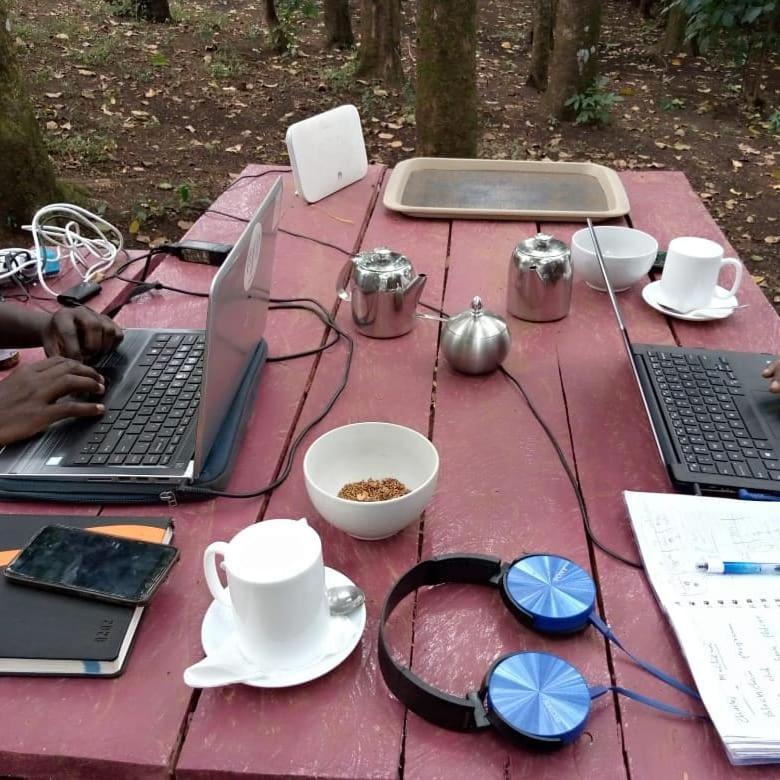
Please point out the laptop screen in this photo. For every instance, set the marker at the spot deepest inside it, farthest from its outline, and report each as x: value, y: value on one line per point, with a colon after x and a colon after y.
x: 238, y: 309
x: 624, y: 335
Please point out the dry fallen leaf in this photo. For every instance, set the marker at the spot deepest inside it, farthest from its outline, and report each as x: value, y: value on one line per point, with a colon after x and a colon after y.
x: 772, y: 240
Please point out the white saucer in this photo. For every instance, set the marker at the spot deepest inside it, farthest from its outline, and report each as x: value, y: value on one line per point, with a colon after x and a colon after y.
x: 719, y: 308
x: 218, y: 627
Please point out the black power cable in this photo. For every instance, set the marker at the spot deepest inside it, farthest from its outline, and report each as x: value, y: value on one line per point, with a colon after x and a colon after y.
x: 562, y: 458
x: 330, y: 323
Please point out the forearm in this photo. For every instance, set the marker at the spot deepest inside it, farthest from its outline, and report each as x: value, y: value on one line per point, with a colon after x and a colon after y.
x: 21, y: 327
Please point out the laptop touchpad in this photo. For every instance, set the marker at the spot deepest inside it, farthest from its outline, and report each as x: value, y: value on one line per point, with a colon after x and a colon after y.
x: 768, y: 405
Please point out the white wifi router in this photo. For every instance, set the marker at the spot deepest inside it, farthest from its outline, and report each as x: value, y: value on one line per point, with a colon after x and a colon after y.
x: 327, y: 152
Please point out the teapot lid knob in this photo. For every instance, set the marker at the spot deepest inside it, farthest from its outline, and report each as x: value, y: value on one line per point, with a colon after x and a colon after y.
x: 542, y: 240
x: 476, y: 305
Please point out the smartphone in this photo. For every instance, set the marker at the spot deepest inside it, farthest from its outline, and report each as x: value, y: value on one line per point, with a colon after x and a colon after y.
x: 93, y: 565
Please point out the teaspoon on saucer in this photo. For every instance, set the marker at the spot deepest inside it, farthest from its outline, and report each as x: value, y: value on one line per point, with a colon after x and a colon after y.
x: 702, y: 308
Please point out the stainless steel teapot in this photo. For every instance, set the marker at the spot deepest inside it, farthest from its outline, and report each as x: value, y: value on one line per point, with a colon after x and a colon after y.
x: 384, y: 290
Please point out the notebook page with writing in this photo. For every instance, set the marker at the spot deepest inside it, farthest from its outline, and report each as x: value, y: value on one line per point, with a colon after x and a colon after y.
x: 728, y: 625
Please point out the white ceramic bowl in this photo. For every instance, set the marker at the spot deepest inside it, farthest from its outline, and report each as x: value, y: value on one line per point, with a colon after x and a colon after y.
x: 370, y: 450
x: 628, y: 255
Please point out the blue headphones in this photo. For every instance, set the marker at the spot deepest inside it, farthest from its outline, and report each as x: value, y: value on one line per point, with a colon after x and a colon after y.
x: 533, y: 698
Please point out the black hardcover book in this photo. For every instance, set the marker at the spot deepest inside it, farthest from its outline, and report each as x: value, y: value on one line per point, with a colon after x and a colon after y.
x: 43, y: 632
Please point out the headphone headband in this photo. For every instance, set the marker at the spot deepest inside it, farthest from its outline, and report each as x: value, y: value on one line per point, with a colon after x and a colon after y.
x: 452, y: 712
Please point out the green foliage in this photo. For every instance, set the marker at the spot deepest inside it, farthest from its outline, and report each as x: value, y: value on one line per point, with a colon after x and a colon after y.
x: 594, y: 105
x: 100, y: 53
x: 671, y: 104
x: 291, y: 15
x: 342, y: 77
x: 183, y: 191
x: 89, y: 147
x: 159, y: 60
x: 774, y: 122
x: 226, y: 65
x: 708, y: 20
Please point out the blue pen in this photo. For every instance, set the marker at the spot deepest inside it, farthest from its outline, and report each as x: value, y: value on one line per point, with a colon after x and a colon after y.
x: 714, y: 566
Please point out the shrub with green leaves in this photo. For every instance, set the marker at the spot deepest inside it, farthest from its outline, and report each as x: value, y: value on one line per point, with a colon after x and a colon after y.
x: 709, y: 19
x: 594, y: 105
x: 749, y: 29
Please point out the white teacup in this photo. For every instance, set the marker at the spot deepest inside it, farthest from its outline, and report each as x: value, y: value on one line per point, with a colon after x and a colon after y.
x: 276, y: 589
x: 690, y: 276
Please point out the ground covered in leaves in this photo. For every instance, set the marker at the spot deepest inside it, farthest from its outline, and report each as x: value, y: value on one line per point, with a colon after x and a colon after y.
x: 155, y: 120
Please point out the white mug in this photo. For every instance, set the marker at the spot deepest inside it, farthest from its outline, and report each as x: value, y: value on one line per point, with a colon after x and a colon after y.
x: 276, y: 589
x: 690, y: 276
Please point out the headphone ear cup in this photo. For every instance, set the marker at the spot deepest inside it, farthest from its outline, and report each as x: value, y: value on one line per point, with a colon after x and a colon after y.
x: 549, y: 593
x: 536, y: 700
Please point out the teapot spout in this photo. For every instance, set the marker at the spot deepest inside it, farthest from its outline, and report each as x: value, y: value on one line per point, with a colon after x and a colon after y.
x: 413, y: 292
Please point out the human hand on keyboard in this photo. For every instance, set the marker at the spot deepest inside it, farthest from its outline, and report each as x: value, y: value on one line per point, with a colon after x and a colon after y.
x: 772, y: 372
x: 80, y: 333
x: 30, y: 397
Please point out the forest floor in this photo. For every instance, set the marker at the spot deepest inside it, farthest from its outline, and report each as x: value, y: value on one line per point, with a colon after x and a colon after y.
x: 156, y: 120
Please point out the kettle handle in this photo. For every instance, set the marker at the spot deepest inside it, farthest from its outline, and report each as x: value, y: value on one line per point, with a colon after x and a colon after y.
x: 343, y: 280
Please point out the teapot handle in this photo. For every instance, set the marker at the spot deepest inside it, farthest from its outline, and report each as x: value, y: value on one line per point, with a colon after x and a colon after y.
x: 343, y: 280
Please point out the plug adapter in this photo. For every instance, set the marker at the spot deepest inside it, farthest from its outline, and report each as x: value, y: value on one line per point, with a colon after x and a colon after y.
x: 203, y: 252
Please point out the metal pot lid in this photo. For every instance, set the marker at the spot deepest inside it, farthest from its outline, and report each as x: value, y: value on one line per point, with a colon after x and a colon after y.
x: 541, y: 247
x: 384, y: 261
x: 476, y: 322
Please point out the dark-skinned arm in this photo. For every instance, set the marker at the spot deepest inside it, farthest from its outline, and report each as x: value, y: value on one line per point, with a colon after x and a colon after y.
x: 78, y: 333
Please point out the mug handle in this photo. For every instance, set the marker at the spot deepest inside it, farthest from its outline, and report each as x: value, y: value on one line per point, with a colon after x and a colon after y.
x: 737, y: 276
x: 218, y: 591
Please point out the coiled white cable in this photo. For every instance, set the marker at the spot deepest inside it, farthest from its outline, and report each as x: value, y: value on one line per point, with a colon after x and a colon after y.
x: 13, y: 261
x: 72, y: 243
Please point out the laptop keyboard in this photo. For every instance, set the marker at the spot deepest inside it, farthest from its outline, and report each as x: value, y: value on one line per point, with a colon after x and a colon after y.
x: 716, y: 429
x: 147, y: 428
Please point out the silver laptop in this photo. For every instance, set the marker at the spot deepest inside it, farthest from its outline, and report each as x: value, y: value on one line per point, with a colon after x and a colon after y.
x: 168, y: 391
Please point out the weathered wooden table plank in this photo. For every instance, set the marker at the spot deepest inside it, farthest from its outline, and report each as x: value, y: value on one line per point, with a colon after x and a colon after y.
x: 131, y: 726
x: 344, y: 725
x: 615, y: 451
x: 502, y: 492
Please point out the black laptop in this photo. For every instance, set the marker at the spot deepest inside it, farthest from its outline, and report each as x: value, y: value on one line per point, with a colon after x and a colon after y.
x: 716, y: 424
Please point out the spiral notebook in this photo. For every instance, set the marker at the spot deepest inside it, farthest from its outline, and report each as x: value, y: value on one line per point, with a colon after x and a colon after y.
x: 728, y: 626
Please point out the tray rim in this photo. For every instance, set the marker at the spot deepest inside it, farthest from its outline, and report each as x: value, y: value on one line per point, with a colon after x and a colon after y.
x: 617, y: 199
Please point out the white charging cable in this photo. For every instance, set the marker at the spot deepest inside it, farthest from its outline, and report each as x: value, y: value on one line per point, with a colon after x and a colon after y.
x: 13, y: 261
x: 83, y: 237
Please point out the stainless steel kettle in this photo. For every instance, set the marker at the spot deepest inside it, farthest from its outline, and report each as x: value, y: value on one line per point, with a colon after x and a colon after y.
x: 384, y: 290
x: 540, y: 279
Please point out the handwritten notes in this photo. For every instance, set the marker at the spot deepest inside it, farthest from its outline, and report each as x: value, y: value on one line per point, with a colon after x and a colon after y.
x: 728, y: 625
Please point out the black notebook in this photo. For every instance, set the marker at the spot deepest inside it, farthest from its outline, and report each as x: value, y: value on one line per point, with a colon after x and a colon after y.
x: 56, y: 634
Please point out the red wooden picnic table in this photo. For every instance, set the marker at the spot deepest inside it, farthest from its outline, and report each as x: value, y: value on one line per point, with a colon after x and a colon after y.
x: 501, y: 491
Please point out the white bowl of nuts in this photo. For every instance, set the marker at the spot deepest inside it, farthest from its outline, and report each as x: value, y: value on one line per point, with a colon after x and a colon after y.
x: 371, y: 479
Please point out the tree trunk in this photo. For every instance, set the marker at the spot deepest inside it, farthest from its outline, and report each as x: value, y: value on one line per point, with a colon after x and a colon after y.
x: 153, y: 10
x: 279, y: 41
x: 446, y: 109
x: 338, y: 25
x: 575, y: 57
x: 542, y: 44
x: 26, y: 173
x: 379, y: 56
x: 673, y: 39
x: 646, y: 8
